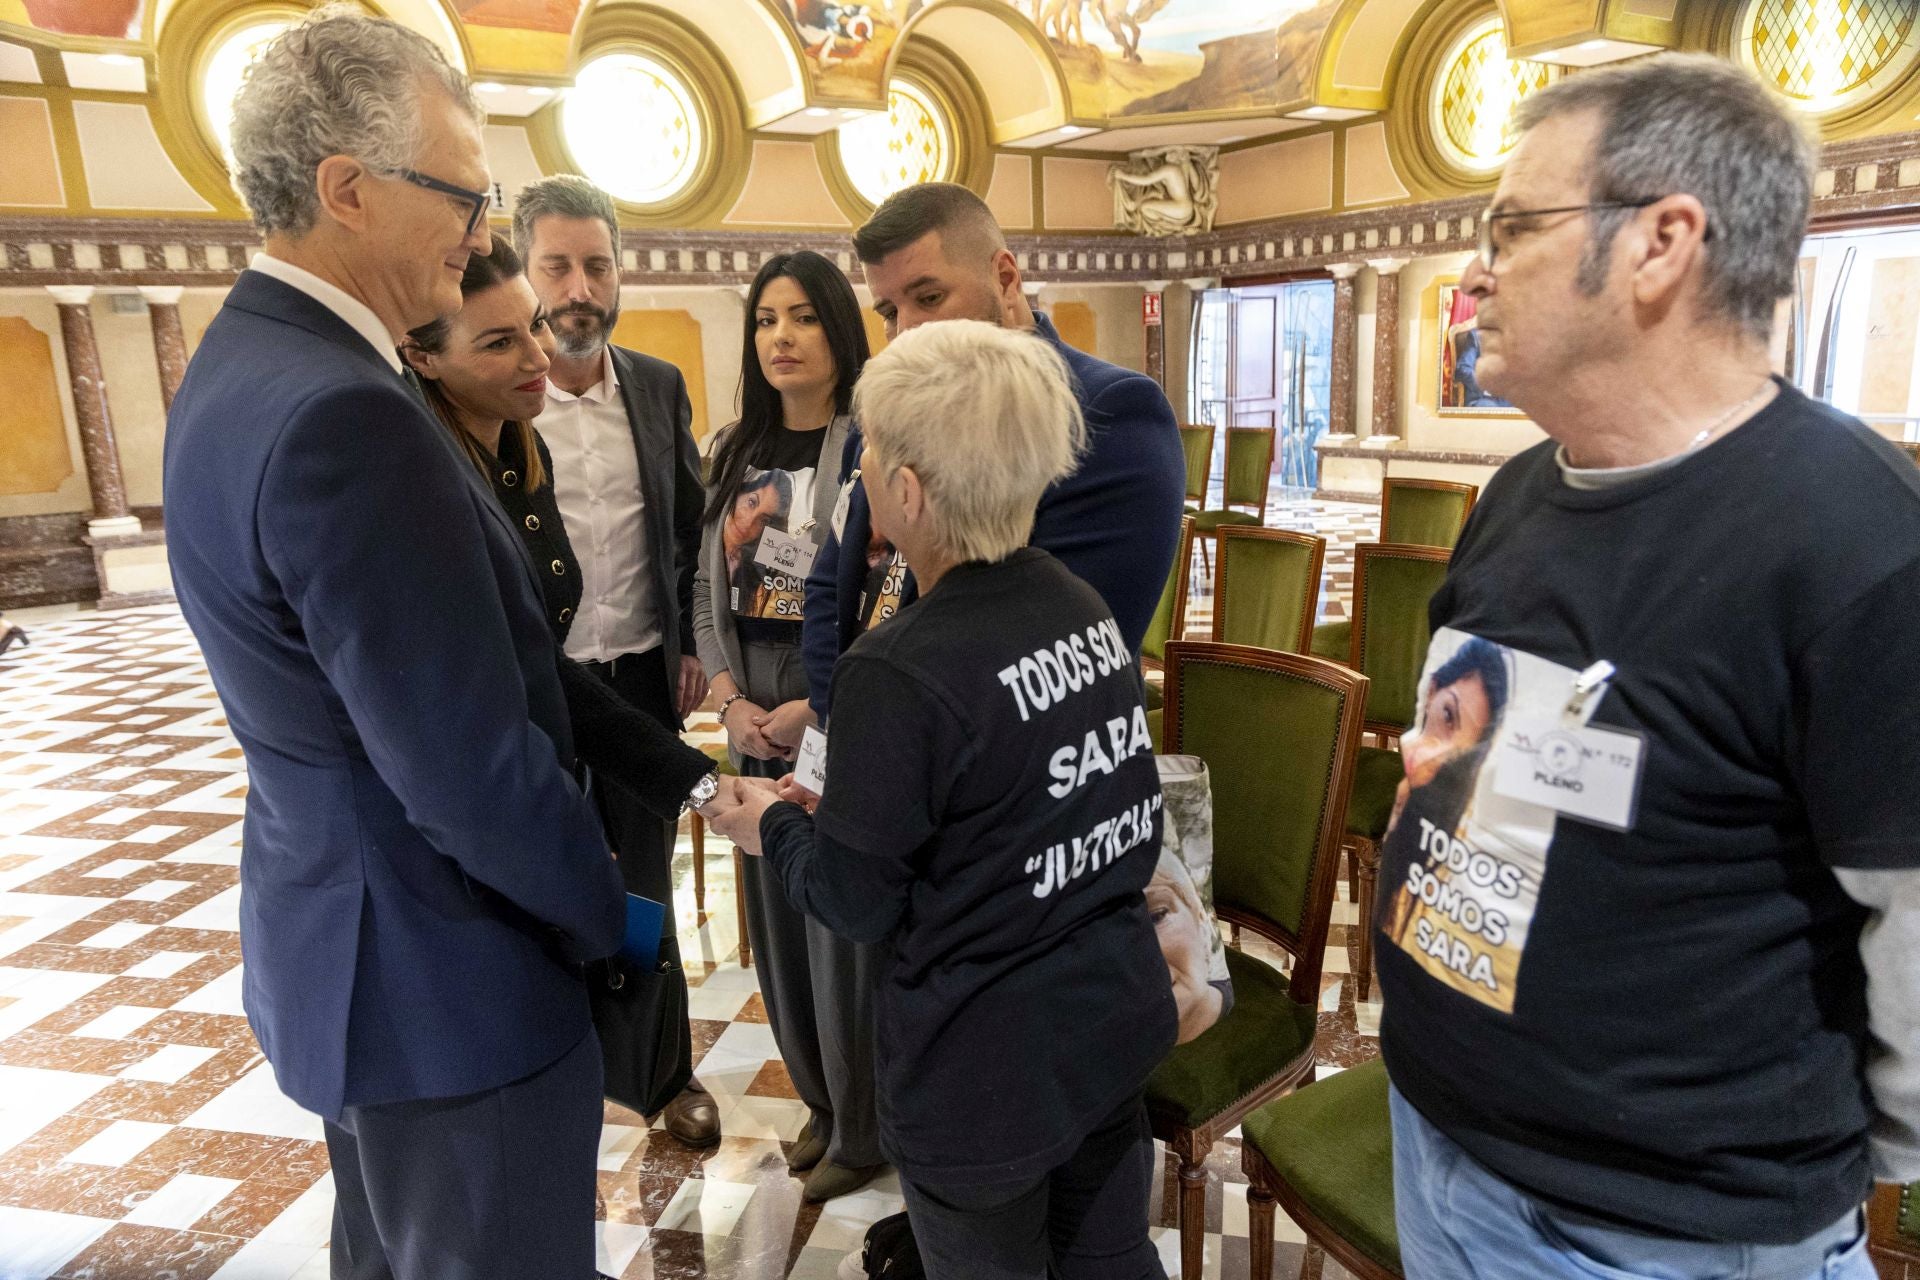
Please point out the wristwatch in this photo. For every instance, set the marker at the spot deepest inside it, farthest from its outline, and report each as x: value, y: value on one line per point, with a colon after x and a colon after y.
x: 703, y: 791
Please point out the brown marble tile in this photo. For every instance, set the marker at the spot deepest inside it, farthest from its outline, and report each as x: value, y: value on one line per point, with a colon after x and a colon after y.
x: 295, y: 1160
x: 206, y: 1030
x: 49, y: 1188
x: 115, y: 1193
x: 213, y: 1153
x: 754, y: 1010
x: 152, y: 1253
x: 704, y: 1032
x: 772, y: 1081
x: 52, y: 1143
x: 146, y: 1100
x: 84, y: 1054
x: 635, y: 1198
x: 248, y: 1209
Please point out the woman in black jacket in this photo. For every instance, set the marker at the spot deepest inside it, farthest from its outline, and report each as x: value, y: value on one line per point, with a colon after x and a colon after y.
x: 483, y: 373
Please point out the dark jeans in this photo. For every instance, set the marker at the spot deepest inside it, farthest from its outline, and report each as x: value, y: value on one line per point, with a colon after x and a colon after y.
x: 644, y: 842
x: 496, y: 1185
x: 1085, y: 1220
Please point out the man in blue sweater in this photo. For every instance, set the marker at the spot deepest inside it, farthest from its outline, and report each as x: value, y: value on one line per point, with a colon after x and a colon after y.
x: 935, y: 252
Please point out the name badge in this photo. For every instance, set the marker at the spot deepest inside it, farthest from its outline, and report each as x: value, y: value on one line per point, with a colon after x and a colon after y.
x: 810, y: 766
x: 784, y: 553
x: 841, y: 504
x: 1584, y: 772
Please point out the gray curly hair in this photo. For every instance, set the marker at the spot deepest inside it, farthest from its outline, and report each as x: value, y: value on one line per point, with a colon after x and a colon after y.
x: 341, y: 83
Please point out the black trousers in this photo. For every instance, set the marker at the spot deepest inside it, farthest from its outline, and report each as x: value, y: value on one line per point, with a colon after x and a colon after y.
x: 1085, y: 1220
x: 644, y: 842
x: 496, y: 1185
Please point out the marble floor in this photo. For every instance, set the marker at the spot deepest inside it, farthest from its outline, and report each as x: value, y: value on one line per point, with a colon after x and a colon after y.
x: 141, y: 1133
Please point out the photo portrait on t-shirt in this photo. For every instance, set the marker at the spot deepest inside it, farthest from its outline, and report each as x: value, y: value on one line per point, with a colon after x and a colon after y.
x: 764, y: 575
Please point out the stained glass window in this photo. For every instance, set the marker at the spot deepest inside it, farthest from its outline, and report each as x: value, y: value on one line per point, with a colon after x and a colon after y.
x: 226, y: 70
x: 1825, y: 54
x: 911, y: 143
x: 1474, y: 98
x: 631, y: 125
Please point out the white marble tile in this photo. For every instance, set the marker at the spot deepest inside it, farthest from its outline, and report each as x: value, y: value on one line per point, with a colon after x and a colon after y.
x: 118, y: 869
x: 119, y: 935
x: 182, y: 1202
x: 157, y: 891
x: 171, y: 1063
x: 308, y: 1220
x: 718, y: 1004
x: 34, y: 1092
x: 616, y: 1244
x: 119, y: 1022
x: 38, y: 1242
x: 118, y: 817
x: 154, y: 835
x: 118, y: 1143
x: 164, y: 964
x: 618, y: 1142
x: 222, y: 911
x: 843, y: 1222
x: 254, y: 1104
x: 748, y: 1040
x: 775, y: 1118
x: 222, y: 995
x: 270, y: 1260
x: 706, y: 1205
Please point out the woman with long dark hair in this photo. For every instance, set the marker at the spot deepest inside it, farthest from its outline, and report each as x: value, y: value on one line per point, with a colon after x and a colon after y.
x: 770, y: 499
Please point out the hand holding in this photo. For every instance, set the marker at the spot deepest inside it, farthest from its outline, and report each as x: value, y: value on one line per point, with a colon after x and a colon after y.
x: 786, y: 724
x: 741, y: 824
x: 743, y: 730
x: 791, y: 791
x: 693, y: 686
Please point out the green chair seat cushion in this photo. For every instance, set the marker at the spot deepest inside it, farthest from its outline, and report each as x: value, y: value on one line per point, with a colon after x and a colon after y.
x: 1210, y: 521
x: 1377, y: 776
x: 1332, y: 1143
x: 1157, y: 728
x: 1156, y: 694
x: 717, y: 752
x: 1261, y: 1035
x: 1332, y: 641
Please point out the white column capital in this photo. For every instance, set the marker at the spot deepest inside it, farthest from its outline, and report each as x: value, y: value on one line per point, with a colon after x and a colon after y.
x: 1344, y: 270
x: 1155, y: 286
x: 1387, y: 266
x: 71, y: 295
x: 1032, y: 288
x: 162, y: 295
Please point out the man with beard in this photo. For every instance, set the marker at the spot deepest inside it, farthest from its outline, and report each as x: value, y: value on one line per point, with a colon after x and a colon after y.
x: 934, y: 252
x: 626, y: 475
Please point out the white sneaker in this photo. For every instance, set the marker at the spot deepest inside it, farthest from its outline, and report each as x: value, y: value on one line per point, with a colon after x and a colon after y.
x: 852, y: 1267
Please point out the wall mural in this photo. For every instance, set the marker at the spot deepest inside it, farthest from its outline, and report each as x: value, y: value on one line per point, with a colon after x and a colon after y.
x: 847, y: 44
x: 118, y: 19
x: 1162, y: 57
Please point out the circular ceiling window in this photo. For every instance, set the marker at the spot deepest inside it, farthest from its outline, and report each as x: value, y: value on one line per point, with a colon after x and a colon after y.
x: 1822, y: 56
x: 1475, y: 94
x: 633, y: 129
x: 223, y: 73
x: 910, y: 144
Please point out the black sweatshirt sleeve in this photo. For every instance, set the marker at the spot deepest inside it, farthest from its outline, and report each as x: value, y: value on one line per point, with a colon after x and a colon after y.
x: 626, y: 747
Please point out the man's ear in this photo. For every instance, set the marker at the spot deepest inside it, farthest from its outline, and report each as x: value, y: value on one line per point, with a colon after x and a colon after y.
x: 1006, y: 285
x: 341, y: 184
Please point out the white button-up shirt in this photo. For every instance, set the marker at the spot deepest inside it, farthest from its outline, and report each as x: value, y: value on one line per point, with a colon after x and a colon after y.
x: 596, y: 481
x: 356, y: 313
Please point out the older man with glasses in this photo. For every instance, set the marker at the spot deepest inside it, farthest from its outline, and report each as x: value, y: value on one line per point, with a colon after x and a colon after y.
x: 1651, y: 995
x: 420, y: 874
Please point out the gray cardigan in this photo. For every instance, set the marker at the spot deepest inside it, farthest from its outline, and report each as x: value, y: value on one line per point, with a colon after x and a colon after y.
x: 714, y: 636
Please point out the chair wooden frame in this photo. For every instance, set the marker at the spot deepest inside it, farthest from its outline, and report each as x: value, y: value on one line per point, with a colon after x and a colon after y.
x: 1894, y: 1253
x: 699, y: 833
x: 1308, y: 947
x: 1182, y: 588
x: 1199, y: 500
x: 1363, y: 855
x: 1317, y: 549
x: 1264, y: 1188
x: 1471, y: 492
x: 1227, y: 504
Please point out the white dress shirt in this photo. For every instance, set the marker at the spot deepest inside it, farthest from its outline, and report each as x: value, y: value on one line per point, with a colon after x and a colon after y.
x: 596, y: 481
x: 358, y: 315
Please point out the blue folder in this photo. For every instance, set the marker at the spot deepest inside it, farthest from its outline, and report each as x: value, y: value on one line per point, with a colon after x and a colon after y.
x: 645, y: 921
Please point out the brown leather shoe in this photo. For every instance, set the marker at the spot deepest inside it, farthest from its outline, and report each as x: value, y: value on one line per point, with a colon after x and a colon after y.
x: 694, y: 1117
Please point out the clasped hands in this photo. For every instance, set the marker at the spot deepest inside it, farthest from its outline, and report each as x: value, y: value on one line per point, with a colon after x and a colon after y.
x: 737, y: 807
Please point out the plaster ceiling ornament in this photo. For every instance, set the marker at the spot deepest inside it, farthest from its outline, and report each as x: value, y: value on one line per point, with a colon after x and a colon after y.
x: 1166, y: 191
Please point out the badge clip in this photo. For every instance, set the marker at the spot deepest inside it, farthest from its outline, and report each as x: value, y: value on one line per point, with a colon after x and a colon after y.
x: 1585, y: 685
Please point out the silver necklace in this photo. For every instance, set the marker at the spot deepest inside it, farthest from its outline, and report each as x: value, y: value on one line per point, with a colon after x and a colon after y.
x: 1730, y: 415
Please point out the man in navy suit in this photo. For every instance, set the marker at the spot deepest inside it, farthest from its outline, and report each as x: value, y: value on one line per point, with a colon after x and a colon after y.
x: 420, y: 875
x: 935, y: 252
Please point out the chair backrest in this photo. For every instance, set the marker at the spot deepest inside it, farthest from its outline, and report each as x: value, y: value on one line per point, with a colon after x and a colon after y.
x: 1278, y: 812
x: 1197, y: 443
x: 1424, y: 513
x: 1249, y: 467
x: 1392, y: 584
x: 1893, y: 1227
x: 1271, y: 592
x: 1170, y: 616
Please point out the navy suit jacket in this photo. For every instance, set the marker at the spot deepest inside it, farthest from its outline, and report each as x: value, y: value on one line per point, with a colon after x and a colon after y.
x: 419, y: 873
x: 1115, y: 522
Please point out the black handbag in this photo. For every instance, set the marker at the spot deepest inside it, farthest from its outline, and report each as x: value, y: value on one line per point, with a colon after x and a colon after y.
x: 888, y: 1252
x: 641, y: 1015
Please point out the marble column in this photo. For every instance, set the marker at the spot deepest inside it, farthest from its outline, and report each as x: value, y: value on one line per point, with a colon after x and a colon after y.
x: 1156, y: 332
x: 1386, y: 347
x: 111, y: 515
x: 1345, y: 340
x: 169, y: 339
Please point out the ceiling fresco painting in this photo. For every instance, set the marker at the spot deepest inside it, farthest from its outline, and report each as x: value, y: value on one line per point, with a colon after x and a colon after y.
x: 846, y: 45
x: 116, y: 19
x: 519, y: 37
x: 520, y: 15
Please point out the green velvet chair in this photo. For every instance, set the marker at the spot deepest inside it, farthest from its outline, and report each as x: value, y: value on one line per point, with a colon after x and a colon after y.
x: 1392, y: 585
x: 1325, y: 1153
x: 1197, y: 444
x: 1893, y: 1230
x: 1425, y: 513
x: 1268, y: 587
x: 1170, y: 617
x: 1249, y: 467
x: 1278, y: 732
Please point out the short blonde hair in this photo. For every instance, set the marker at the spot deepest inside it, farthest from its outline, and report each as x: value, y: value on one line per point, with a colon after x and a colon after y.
x: 986, y: 417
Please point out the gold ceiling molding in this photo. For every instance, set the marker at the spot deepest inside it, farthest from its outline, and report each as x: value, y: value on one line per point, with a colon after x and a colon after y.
x: 972, y: 33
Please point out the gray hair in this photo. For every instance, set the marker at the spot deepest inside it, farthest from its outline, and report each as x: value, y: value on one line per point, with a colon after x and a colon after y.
x: 1023, y: 429
x: 340, y: 83
x: 567, y: 195
x: 1695, y: 124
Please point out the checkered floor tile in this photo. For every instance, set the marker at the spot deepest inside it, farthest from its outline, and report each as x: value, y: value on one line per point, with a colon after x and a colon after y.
x: 141, y: 1134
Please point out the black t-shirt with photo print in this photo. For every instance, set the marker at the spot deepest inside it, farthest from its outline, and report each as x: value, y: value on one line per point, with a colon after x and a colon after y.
x: 771, y: 518
x: 1664, y: 1026
x: 993, y: 811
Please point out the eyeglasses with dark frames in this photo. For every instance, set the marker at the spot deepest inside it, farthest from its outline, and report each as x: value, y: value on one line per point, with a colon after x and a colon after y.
x: 478, y: 199
x: 1489, y: 250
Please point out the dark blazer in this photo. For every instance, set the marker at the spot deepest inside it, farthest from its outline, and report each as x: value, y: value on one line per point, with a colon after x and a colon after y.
x: 420, y: 874
x: 536, y: 513
x: 1114, y: 522
x: 661, y: 417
